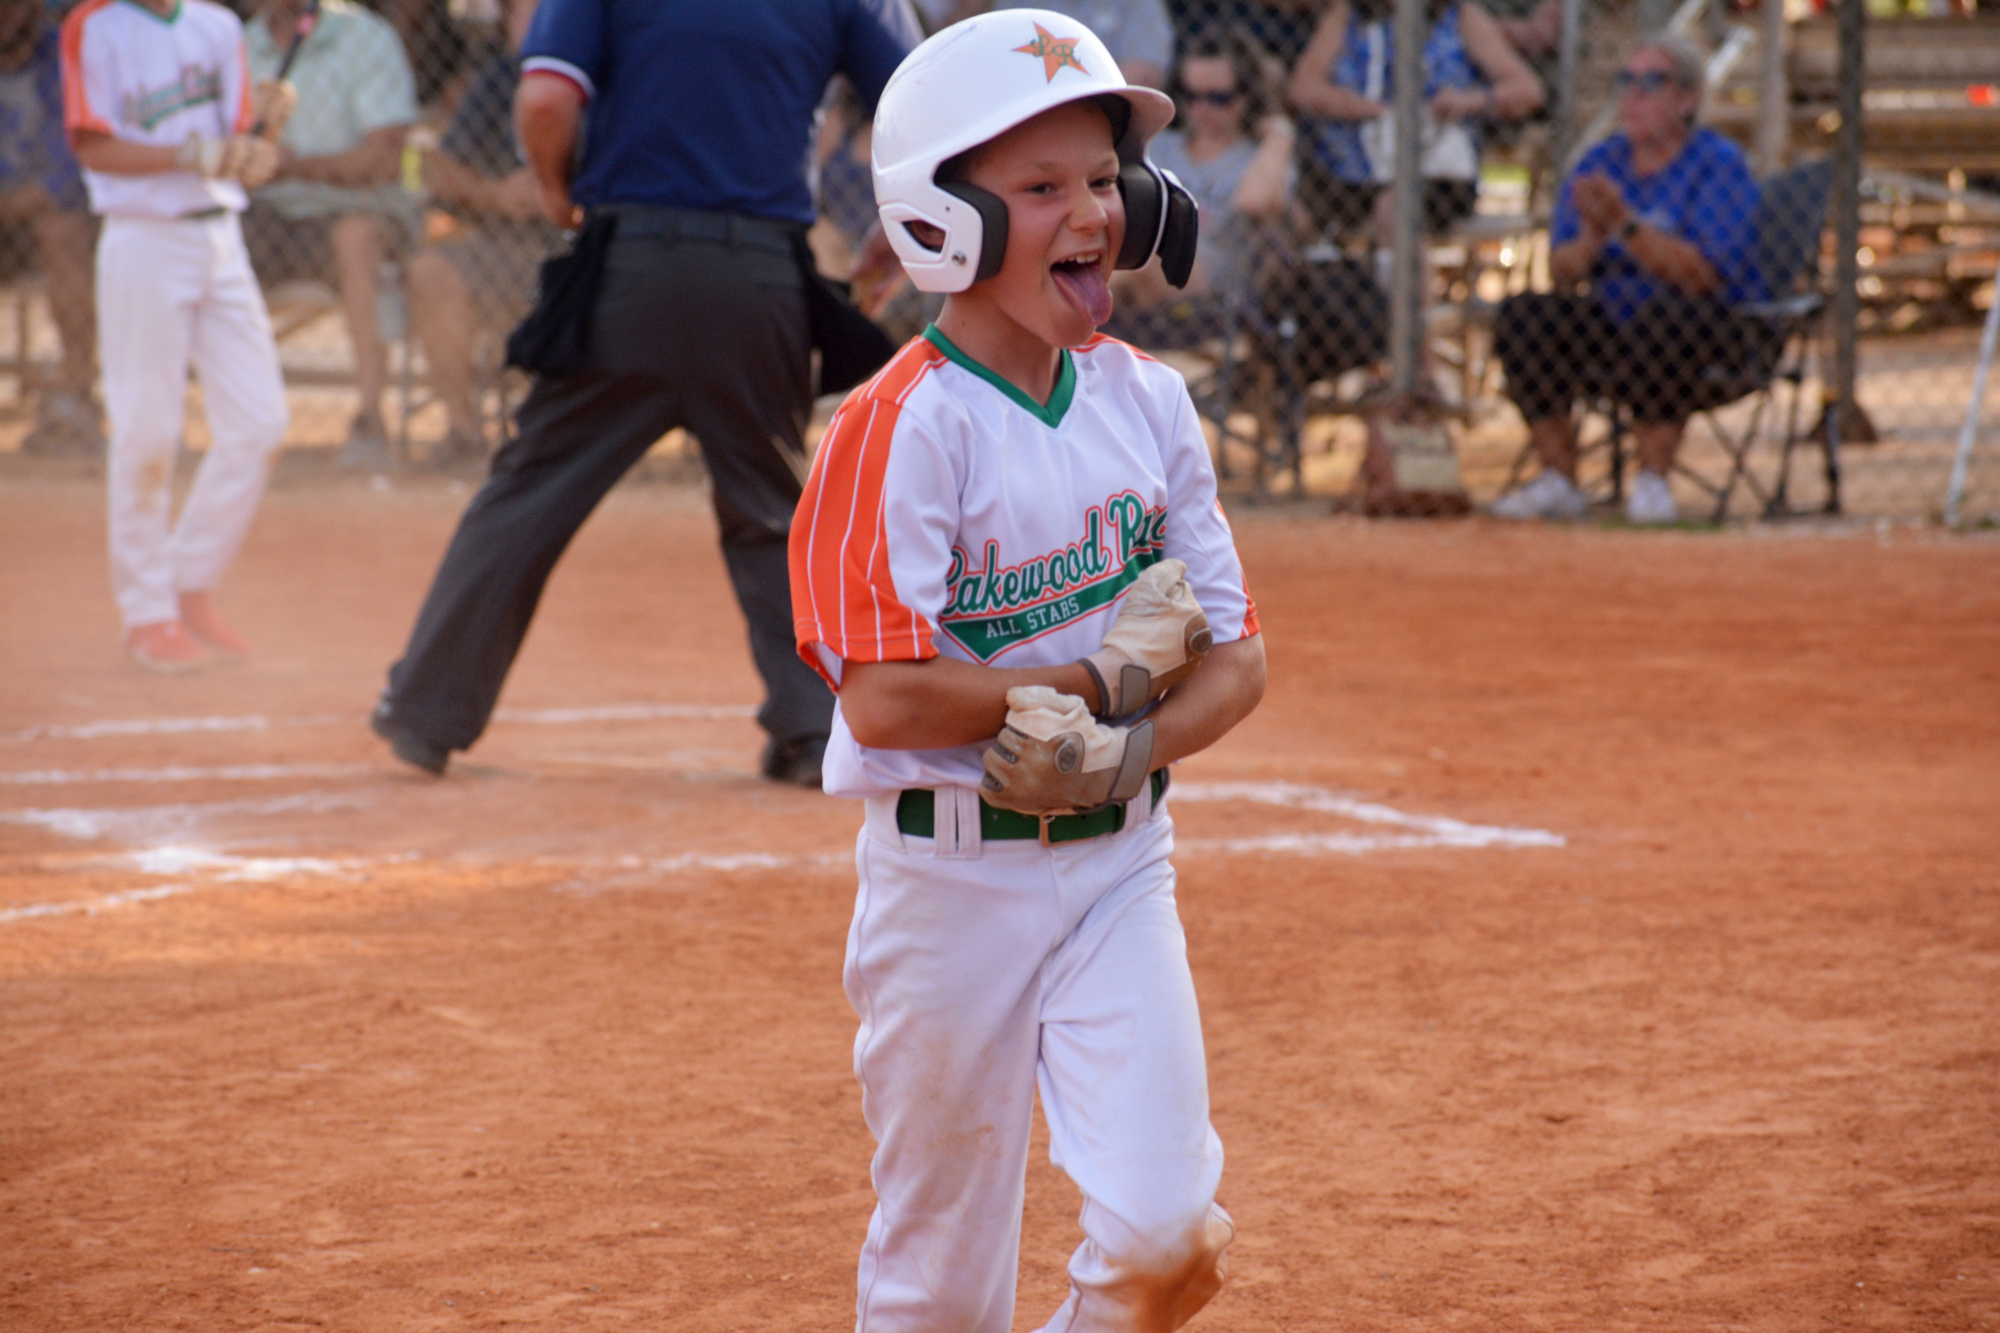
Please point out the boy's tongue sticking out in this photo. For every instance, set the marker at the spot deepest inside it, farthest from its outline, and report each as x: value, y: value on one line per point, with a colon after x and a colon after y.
x: 1082, y: 281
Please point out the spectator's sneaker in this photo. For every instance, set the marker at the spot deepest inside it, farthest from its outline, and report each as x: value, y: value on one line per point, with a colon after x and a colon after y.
x: 797, y: 761
x: 367, y: 448
x: 458, y: 452
x: 1549, y: 495
x: 166, y: 647
x: 67, y: 425
x: 200, y: 618
x: 1651, y: 500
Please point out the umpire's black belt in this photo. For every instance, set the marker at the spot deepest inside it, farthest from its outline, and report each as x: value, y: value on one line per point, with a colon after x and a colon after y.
x: 916, y: 817
x: 739, y: 230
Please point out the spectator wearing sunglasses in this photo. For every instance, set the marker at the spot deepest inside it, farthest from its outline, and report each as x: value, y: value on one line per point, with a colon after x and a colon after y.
x: 1653, y: 240
x: 1233, y: 151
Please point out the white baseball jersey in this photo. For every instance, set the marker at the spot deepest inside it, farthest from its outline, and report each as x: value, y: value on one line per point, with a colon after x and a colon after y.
x: 152, y: 79
x: 949, y: 513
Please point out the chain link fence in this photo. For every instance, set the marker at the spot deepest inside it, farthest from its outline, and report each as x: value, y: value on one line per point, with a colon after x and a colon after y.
x: 1462, y: 318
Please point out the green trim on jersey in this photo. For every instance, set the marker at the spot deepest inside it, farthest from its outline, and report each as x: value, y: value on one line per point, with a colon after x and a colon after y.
x: 1051, y: 414
x: 150, y: 12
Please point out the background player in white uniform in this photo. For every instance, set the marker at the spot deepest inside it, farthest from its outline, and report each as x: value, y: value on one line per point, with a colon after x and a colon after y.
x: 157, y: 100
x: 1006, y: 493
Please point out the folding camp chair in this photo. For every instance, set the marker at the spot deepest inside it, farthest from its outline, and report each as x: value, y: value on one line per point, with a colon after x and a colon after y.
x: 1776, y: 348
x: 1791, y: 213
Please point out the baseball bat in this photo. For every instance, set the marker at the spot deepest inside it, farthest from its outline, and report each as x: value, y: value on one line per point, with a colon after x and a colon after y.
x: 308, y: 20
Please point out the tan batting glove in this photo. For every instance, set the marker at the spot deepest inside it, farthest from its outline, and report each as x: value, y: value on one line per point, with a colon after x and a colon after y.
x: 1157, y: 640
x: 1053, y: 758
x: 249, y: 159
x: 241, y: 157
x: 272, y: 103
x: 200, y: 155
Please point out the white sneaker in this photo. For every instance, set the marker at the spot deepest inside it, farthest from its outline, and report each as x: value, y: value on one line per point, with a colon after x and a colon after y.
x: 1549, y: 495
x: 1651, y: 500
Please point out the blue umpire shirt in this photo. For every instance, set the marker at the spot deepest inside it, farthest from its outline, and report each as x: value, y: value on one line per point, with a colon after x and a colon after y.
x: 709, y: 104
x: 1707, y: 196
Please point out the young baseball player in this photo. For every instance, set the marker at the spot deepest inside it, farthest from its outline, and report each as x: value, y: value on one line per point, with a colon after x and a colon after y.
x: 1008, y: 548
x: 158, y: 103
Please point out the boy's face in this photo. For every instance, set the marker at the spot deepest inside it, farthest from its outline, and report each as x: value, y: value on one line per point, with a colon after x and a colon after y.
x: 1058, y: 176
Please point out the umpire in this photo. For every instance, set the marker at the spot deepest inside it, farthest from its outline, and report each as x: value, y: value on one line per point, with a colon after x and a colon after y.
x: 699, y: 124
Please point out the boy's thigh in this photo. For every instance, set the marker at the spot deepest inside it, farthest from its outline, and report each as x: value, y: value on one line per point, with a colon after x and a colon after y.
x: 1123, y: 1068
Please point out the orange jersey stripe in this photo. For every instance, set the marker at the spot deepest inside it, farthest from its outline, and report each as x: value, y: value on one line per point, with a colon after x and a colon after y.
x: 842, y: 586
x: 246, y: 116
x: 78, y: 114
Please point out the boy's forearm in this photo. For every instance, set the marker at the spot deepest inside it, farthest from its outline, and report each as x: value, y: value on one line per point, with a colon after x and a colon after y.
x: 1202, y: 709
x: 943, y: 702
x: 117, y: 157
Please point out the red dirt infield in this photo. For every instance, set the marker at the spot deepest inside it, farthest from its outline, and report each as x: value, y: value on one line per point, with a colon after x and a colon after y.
x: 1595, y: 930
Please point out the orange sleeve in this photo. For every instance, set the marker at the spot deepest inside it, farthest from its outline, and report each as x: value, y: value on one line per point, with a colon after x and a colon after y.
x: 78, y: 112
x: 843, y: 592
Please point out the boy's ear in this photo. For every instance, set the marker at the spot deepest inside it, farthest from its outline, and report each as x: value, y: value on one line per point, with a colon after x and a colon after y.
x: 992, y: 212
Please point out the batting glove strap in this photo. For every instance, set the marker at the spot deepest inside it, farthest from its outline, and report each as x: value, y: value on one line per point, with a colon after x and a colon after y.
x: 1123, y: 686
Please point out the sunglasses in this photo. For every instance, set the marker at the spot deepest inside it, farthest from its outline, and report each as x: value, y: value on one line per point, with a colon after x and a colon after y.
x: 1646, y: 81
x: 1213, y: 98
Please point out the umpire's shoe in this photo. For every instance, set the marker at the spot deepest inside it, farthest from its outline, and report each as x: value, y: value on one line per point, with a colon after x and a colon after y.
x: 795, y: 761
x: 412, y: 751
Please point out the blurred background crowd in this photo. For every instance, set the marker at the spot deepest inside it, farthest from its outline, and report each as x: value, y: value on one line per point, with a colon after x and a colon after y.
x: 402, y: 236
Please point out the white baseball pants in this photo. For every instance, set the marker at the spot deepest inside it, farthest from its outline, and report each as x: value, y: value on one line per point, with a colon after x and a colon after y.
x: 171, y: 292
x: 978, y: 975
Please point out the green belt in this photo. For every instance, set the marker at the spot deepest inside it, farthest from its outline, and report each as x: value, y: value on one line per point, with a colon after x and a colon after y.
x: 916, y: 817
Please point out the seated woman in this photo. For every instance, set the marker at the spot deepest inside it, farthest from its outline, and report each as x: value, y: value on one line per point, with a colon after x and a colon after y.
x: 1345, y: 77
x: 1233, y: 151
x: 1659, y: 220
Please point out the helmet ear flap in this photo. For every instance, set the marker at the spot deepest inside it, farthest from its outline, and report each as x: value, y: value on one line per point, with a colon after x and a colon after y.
x: 992, y: 212
x: 1143, y: 193
x: 1160, y: 219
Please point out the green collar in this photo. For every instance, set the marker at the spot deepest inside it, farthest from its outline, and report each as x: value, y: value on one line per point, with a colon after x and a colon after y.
x: 152, y: 13
x: 1049, y: 414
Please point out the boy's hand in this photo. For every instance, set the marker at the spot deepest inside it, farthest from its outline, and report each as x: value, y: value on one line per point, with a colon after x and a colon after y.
x: 1157, y: 640
x: 241, y: 157
x: 271, y: 105
x: 1053, y: 758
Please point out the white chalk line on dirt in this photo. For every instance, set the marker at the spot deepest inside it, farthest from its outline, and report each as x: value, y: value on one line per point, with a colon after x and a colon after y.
x: 1420, y: 831
x: 1427, y: 830
x: 216, y: 867
x: 59, y: 777
x: 135, y: 822
x: 548, y: 717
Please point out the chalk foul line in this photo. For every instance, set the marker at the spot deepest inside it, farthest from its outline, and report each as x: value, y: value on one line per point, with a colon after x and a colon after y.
x: 214, y: 868
x: 546, y: 717
x: 1402, y: 830
x: 61, y: 777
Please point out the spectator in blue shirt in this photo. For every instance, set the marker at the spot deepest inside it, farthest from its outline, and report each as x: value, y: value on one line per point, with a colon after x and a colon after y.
x: 700, y: 127
x: 1660, y: 221
x: 41, y: 194
x: 481, y: 276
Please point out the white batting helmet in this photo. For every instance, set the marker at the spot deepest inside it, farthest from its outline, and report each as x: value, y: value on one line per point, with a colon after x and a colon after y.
x: 973, y: 82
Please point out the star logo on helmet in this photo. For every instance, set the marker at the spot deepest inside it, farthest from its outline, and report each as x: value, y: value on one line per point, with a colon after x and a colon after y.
x: 1055, y: 52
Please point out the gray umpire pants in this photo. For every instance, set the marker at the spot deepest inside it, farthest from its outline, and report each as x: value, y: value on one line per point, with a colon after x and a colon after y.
x: 700, y: 322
